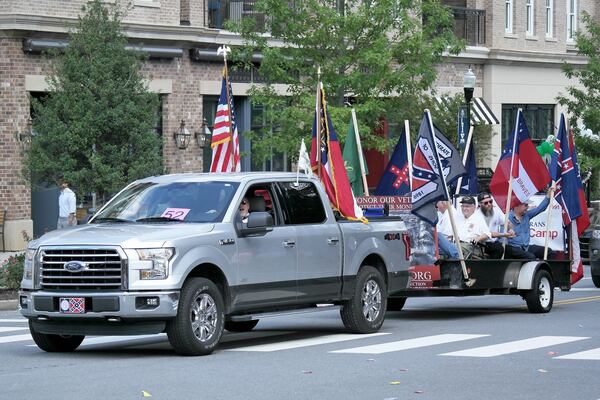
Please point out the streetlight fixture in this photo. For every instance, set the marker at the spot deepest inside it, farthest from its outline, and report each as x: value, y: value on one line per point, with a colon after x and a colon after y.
x: 182, y: 136
x: 25, y: 136
x: 203, y: 137
x: 469, y: 79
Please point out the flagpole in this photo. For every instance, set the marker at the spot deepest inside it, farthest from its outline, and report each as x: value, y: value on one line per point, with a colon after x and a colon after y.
x: 318, y: 122
x: 361, y: 160
x: 510, y: 179
x: 225, y: 50
x: 552, y: 189
x: 465, y: 155
x: 469, y: 282
x: 408, y: 153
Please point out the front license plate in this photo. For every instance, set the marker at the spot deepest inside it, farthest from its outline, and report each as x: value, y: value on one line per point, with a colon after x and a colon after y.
x: 72, y: 305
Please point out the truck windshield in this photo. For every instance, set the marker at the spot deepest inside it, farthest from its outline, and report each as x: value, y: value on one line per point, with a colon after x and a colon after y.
x: 170, y: 202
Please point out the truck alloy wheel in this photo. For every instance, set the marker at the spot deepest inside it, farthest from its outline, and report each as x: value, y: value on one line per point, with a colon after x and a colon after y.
x: 541, y: 296
x: 365, y: 311
x: 198, y: 326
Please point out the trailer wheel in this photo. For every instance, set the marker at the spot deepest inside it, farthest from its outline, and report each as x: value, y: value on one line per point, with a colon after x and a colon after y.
x: 240, y: 326
x: 55, y: 343
x: 541, y: 296
x: 395, y: 303
x: 198, y: 326
x: 596, y: 280
x: 365, y: 311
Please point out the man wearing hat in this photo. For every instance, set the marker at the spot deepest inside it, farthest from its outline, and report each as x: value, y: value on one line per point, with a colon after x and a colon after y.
x: 471, y: 227
x: 518, y: 246
x: 494, y: 218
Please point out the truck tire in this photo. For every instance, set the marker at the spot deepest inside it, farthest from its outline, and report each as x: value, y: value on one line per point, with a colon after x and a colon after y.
x: 198, y: 326
x: 541, y: 297
x: 365, y: 311
x: 240, y: 326
x: 596, y: 280
x: 55, y: 343
x: 395, y: 303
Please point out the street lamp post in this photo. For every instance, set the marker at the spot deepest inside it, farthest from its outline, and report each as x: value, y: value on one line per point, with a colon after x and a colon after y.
x: 469, y: 86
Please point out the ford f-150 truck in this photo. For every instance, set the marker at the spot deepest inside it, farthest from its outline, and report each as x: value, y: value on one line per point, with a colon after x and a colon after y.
x: 172, y: 254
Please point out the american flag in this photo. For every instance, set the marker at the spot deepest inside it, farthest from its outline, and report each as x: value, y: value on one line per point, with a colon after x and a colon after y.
x: 225, y: 129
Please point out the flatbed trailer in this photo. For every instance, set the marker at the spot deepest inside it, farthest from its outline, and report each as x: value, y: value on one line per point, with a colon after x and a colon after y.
x: 534, y: 281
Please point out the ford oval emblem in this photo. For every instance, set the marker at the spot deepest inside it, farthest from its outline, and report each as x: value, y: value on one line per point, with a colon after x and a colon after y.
x: 75, y: 266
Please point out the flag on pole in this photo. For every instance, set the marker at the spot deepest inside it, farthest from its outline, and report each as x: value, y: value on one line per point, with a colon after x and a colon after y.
x: 469, y: 183
x: 562, y: 171
x: 304, y: 160
x: 583, y: 221
x: 529, y: 172
x: 333, y: 173
x: 395, y: 181
x: 225, y: 133
x: 431, y: 168
x: 352, y: 162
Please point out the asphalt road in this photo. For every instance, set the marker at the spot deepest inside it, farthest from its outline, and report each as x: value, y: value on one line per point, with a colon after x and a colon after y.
x: 436, y: 348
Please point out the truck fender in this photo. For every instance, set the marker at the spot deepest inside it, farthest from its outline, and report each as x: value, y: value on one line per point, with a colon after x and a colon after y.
x: 527, y: 273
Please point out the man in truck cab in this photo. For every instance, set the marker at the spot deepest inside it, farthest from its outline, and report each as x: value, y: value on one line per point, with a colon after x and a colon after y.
x: 244, y: 209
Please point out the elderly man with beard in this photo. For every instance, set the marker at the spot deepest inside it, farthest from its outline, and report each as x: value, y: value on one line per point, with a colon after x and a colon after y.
x: 494, y: 219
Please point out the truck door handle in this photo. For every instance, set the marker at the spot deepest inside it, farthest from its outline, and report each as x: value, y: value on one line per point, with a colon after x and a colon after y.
x: 289, y: 243
x: 333, y: 240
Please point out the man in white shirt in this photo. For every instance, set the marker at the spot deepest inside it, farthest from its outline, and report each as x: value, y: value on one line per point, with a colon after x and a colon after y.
x: 494, y: 219
x: 66, y: 206
x: 444, y: 231
x: 471, y: 227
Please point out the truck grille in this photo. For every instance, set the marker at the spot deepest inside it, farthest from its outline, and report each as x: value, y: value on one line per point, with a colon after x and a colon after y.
x: 103, y: 269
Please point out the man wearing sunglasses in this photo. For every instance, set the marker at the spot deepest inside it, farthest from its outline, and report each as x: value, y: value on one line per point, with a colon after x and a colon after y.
x: 494, y: 219
x: 244, y: 209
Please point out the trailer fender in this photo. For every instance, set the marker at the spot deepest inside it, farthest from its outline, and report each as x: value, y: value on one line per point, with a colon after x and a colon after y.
x: 527, y: 273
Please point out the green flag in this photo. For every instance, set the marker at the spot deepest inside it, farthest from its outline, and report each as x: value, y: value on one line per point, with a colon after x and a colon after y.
x: 352, y: 162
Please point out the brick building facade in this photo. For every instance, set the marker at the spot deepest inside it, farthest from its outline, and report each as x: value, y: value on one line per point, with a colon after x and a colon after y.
x: 513, y: 67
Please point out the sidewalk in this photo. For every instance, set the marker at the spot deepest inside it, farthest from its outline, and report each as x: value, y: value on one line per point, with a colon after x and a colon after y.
x: 8, y: 305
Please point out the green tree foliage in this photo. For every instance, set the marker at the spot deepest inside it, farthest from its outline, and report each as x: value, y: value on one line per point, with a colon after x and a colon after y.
x: 584, y: 102
x: 381, y: 54
x: 96, y: 126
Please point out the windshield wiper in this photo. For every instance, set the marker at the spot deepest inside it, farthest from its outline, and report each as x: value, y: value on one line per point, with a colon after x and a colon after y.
x: 109, y: 219
x: 159, y: 219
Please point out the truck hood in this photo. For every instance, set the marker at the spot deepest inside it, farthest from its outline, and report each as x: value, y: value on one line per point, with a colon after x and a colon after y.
x: 123, y: 234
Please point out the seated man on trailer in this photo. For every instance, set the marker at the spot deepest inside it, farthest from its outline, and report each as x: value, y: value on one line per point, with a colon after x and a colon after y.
x: 518, y: 246
x: 472, y: 228
x: 444, y: 231
x: 494, y: 219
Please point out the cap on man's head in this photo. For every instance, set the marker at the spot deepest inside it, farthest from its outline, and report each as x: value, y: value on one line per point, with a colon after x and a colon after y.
x: 467, y: 200
x: 527, y: 202
x: 483, y: 196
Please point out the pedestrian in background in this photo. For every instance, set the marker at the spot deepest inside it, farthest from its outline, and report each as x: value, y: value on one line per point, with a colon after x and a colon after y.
x: 66, y: 206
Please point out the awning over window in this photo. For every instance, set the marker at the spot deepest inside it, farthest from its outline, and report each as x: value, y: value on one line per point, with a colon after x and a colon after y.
x: 481, y: 113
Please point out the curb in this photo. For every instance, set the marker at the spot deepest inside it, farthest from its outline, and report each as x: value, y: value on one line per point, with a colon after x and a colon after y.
x: 9, y: 305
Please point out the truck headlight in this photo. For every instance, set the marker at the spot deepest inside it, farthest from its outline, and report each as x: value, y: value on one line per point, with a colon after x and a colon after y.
x: 160, y: 262
x: 28, y: 265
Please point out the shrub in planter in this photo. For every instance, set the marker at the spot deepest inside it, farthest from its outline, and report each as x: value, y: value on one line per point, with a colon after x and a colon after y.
x: 11, y: 272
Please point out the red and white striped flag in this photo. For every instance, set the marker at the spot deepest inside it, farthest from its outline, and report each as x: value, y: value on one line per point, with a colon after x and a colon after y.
x: 225, y: 142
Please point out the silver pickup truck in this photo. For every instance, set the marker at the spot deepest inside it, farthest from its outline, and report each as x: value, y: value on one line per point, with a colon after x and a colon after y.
x: 172, y: 254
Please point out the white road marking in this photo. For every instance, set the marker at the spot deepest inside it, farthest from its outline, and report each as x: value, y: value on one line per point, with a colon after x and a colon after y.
x: 585, y: 289
x: 12, y: 328
x: 15, y: 338
x: 515, y: 346
x: 409, y: 344
x: 293, y: 344
x: 593, y: 354
x: 118, y: 339
x: 14, y: 320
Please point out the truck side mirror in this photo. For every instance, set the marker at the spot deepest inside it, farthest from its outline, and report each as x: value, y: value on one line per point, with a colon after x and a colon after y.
x: 259, y: 223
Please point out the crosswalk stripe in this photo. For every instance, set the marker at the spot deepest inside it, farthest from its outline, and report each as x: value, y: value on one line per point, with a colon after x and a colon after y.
x: 11, y: 328
x: 515, y: 346
x: 15, y: 338
x: 293, y: 344
x: 117, y: 339
x: 14, y: 320
x: 408, y: 344
x: 593, y: 354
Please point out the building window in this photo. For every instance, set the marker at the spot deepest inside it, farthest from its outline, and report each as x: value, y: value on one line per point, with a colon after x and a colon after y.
x: 262, y: 124
x: 508, y: 17
x: 539, y: 118
x: 549, y: 18
x: 571, y: 19
x: 529, y: 8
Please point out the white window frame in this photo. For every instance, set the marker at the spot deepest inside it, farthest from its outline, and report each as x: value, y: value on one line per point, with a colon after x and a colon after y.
x: 530, y: 17
x: 571, y: 20
x: 508, y: 17
x: 549, y: 18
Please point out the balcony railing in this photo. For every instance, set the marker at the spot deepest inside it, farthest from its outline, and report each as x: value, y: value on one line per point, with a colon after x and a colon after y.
x: 220, y: 11
x: 469, y: 24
